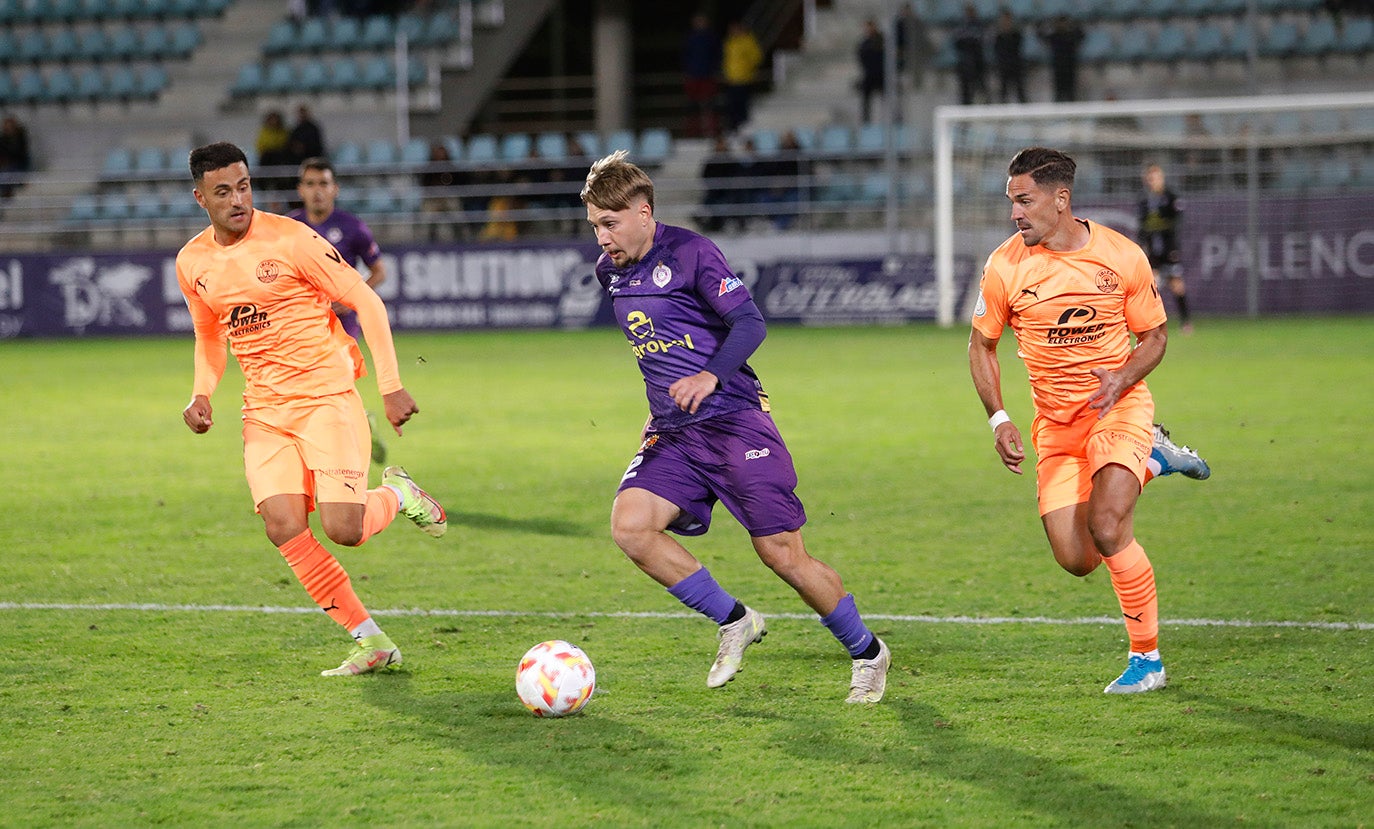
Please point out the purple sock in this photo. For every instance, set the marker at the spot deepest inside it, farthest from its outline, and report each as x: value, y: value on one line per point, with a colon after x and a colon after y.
x: 701, y: 593
x: 846, y: 625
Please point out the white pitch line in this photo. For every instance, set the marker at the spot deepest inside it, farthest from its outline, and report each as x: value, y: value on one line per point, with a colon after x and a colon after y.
x: 538, y: 614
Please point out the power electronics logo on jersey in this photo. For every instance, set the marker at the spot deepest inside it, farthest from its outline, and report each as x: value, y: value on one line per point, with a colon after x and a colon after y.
x: 246, y: 319
x: 1075, y: 327
x: 269, y: 270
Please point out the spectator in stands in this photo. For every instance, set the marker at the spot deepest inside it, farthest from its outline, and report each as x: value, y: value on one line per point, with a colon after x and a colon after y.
x: 872, y: 68
x: 749, y: 172
x: 1063, y: 38
x: 440, y: 201
x: 1160, y: 212
x: 306, y: 139
x: 969, y: 39
x: 1009, y: 60
x: 781, y: 192
x: 742, y: 57
x: 914, y: 48
x: 717, y: 174
x: 273, y: 138
x: 701, y: 57
x: 15, y: 159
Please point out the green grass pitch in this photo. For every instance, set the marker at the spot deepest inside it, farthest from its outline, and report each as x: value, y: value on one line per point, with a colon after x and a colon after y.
x: 154, y: 673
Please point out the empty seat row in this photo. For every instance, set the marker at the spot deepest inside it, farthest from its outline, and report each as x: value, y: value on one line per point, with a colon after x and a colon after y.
x: 840, y: 142
x: 123, y: 163
x: 1094, y: 11
x: 75, y: 11
x: 343, y: 34
x: 95, y: 44
x: 340, y: 74
x: 649, y: 147
x: 91, y: 84
x: 1213, y: 41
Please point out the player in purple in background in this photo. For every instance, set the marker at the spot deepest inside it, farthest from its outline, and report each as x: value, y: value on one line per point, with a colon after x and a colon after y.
x: 692, y: 325
x: 351, y: 237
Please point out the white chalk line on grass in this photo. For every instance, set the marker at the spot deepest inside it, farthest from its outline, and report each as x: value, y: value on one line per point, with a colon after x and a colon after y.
x: 537, y: 614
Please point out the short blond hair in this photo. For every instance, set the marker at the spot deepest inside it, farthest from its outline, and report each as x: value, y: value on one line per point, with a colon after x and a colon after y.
x: 614, y: 183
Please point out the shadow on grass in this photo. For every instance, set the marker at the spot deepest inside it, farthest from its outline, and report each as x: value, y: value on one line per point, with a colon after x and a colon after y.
x: 538, y: 526
x: 1350, y: 734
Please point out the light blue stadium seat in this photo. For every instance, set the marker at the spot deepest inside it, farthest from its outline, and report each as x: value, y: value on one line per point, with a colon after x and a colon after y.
x: 119, y: 9
x: 767, y: 142
x: 345, y: 34
x: 85, y: 208
x: 1171, y: 45
x: 590, y: 142
x: 8, y: 93
x: 380, y: 201
x: 1288, y: 123
x: 119, y: 162
x: 1208, y: 42
x: 1357, y: 35
x: 61, y: 11
x: 313, y: 35
x: 147, y: 204
x: 348, y: 154
x: 873, y: 189
x: 116, y: 206
x: 61, y: 87
x: 185, y: 39
x: 1319, y: 38
x: 314, y: 76
x: 1098, y: 46
x: 249, y: 81
x: 62, y: 44
x: 417, y: 73
x: 380, y: 152
x: 871, y: 140
x: 379, y: 73
x: 10, y: 12
x: 1364, y: 171
x: 442, y: 28
x: 90, y: 84
x: 344, y: 74
x: 281, y: 38
x: 835, y: 140
x: 412, y: 25
x: 93, y: 44
x: 378, y: 32
x: 481, y: 149
x: 454, y: 145
x: 150, y: 160
x: 33, y: 46
x: 415, y: 153
x: 620, y: 140
x: 1238, y: 42
x: 280, y: 79
x: 551, y: 146
x: 1137, y: 46
x: 1334, y: 173
x: 655, y: 144
x: 9, y: 46
x: 123, y: 42
x: 151, y: 81
x: 1280, y: 40
x: 516, y: 147
x: 1327, y: 122
x: 806, y: 137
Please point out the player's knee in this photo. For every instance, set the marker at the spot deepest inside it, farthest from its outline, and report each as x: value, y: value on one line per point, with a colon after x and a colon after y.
x: 280, y: 530
x: 1110, y: 531
x: 343, y: 533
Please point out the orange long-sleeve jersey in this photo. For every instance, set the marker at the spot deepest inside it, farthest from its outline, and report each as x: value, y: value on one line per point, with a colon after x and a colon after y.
x: 1071, y: 312
x: 269, y: 296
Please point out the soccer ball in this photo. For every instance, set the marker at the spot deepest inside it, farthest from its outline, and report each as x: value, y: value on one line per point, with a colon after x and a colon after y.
x: 555, y: 679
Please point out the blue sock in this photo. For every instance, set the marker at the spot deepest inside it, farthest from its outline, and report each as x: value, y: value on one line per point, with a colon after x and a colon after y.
x: 703, y: 594
x: 846, y: 625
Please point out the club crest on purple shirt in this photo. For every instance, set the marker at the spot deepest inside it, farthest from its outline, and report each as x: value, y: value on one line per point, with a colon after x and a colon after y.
x: 662, y: 275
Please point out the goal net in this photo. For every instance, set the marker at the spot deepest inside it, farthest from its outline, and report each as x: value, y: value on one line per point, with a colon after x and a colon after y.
x: 1275, y: 192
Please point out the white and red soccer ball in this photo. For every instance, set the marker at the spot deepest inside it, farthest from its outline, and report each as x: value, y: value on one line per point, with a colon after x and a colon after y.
x: 555, y: 679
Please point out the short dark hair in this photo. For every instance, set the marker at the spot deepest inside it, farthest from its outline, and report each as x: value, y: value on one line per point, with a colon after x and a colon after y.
x: 316, y: 162
x: 215, y: 156
x: 1045, y: 166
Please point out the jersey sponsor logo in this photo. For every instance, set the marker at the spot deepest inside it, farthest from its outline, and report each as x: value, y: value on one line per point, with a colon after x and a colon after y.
x: 1081, y: 333
x: 662, y: 275
x: 641, y: 326
x: 755, y: 454
x: 269, y: 270
x: 980, y: 307
x: 729, y: 284
x: 1107, y: 281
x: 247, y: 319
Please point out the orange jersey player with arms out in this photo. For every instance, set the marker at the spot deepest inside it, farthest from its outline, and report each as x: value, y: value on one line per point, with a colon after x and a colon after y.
x: 264, y: 285
x: 1074, y: 292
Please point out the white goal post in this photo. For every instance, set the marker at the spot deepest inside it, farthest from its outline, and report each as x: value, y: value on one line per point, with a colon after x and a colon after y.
x: 1235, y: 161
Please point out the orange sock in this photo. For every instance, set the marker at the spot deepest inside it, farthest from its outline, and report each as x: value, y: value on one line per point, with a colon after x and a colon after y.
x: 324, y: 579
x: 1133, y: 579
x: 381, y: 507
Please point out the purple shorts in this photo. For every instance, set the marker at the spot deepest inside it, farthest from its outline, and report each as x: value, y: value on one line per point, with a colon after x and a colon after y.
x: 736, y: 458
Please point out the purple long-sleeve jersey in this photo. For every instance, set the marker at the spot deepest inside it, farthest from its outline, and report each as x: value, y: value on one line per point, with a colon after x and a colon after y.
x: 670, y: 304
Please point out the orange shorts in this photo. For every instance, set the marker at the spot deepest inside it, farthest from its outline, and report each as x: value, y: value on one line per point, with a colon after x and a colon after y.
x: 318, y: 448
x: 1069, y: 454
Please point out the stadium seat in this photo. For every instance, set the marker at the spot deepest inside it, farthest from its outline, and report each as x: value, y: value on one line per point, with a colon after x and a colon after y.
x: 806, y: 137
x: 60, y: 11
x: 871, y: 140
x: 281, y: 38
x: 1327, y: 122
x: 1135, y: 47
x: 93, y: 44
x: 114, y: 206
x: 348, y: 155
x: 412, y: 26
x: 440, y: 31
x: 380, y: 200
x: 1098, y: 46
x: 90, y: 84
x: 33, y: 46
x: 379, y: 32
x: 8, y: 93
x: 150, y: 160
x: 1208, y: 42
x: 415, y: 153
x: 378, y: 73
x: 621, y: 140
x: 551, y: 146
x: 1357, y: 35
x: 873, y: 189
x: 185, y: 40
x: 280, y: 79
x: 344, y: 75
x: 150, y: 81
x: 1238, y: 42
x: 345, y: 34
x: 147, y: 204
x: 417, y: 72
x: 1319, y: 38
x: 61, y: 87
x: 62, y: 45
x: 155, y: 43
x: 654, y: 145
x: 313, y: 36
x: 1280, y: 40
x: 314, y: 76
x: 454, y: 145
x: 767, y: 142
x: 1364, y: 171
x: 1333, y: 173
x: 835, y: 140
x: 1171, y: 44
x: 9, y: 46
x: 250, y: 80
x: 380, y: 152
x: 481, y: 149
x: 123, y: 43
x: 85, y: 209
x: 516, y: 147
x: 590, y: 142
x: 119, y: 163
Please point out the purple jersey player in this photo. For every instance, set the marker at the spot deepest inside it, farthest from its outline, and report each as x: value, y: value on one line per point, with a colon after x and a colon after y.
x: 692, y: 325
x: 349, y: 235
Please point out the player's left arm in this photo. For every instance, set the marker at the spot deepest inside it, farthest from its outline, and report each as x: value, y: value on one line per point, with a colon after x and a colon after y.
x: 725, y: 294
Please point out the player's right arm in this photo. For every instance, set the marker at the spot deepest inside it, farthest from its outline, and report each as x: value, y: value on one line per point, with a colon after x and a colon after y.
x: 210, y: 356
x: 989, y: 319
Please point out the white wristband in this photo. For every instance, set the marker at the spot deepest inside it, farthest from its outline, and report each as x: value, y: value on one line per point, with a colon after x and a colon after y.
x: 998, y: 418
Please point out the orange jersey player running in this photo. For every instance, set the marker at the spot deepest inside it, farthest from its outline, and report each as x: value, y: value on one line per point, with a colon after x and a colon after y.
x: 1074, y: 292
x: 264, y: 284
